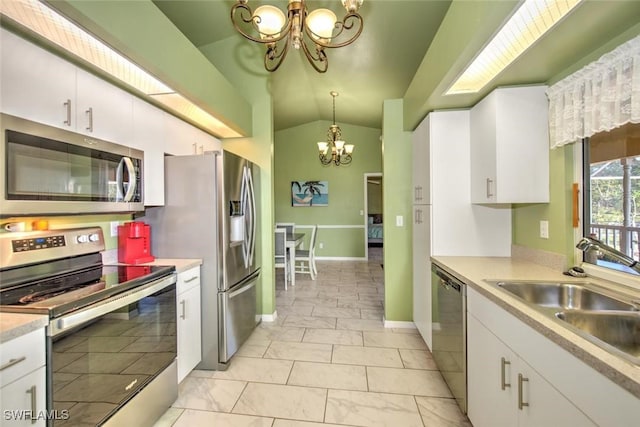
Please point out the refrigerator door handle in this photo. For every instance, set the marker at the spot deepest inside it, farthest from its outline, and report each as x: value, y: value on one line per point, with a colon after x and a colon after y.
x: 244, y: 201
x: 252, y: 237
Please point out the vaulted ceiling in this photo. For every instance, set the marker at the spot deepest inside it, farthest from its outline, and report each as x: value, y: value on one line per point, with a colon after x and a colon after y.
x: 410, y: 49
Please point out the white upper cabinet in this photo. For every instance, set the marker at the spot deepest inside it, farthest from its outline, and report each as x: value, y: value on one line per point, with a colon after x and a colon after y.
x: 36, y: 84
x: 149, y: 135
x: 184, y: 139
x: 510, y: 146
x: 103, y: 110
x: 421, y: 163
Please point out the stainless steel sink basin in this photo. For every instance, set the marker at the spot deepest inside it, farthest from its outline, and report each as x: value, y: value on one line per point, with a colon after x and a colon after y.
x: 603, y: 316
x: 620, y: 330
x: 566, y: 296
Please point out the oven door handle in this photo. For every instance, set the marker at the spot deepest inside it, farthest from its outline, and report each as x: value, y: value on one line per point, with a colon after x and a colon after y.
x: 100, y: 309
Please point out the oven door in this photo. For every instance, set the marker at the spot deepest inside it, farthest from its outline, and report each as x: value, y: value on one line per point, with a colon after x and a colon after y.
x: 102, y: 356
x: 50, y: 170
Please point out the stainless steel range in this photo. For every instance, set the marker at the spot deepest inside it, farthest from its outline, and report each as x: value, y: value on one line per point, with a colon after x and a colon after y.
x: 111, y: 338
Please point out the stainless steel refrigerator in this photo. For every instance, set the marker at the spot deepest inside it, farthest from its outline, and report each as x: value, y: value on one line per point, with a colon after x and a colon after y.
x: 210, y: 213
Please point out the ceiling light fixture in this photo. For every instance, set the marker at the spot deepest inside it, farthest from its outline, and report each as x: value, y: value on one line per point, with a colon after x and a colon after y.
x: 528, y: 24
x: 335, y: 150
x: 269, y: 26
x: 60, y: 31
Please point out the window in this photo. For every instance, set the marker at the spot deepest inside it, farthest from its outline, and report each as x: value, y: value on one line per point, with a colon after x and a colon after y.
x: 611, y: 165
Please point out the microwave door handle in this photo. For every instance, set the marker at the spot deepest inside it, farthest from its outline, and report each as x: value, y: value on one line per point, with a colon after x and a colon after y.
x: 119, y: 181
x: 133, y: 179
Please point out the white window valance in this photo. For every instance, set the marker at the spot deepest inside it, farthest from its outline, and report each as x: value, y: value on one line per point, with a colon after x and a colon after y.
x: 601, y: 96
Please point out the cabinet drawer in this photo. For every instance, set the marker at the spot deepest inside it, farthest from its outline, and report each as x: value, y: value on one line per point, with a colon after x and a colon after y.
x: 188, y: 279
x: 22, y: 355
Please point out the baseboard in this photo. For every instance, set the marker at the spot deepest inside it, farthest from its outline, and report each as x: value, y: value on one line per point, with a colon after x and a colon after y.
x: 393, y: 324
x: 338, y: 258
x: 270, y: 317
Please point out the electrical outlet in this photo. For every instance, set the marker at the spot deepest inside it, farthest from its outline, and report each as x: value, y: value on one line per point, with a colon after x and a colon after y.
x: 321, y: 245
x: 544, y: 229
x: 114, y: 228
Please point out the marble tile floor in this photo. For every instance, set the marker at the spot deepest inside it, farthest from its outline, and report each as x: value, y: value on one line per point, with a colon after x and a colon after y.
x: 326, y: 361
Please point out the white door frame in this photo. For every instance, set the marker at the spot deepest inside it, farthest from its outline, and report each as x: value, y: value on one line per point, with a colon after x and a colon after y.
x: 366, y: 211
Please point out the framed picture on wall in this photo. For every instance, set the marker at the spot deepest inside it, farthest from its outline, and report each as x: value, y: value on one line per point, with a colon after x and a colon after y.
x: 309, y: 193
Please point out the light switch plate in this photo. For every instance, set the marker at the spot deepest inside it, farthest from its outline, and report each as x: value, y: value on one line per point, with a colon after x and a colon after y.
x: 399, y: 221
x: 544, y: 229
x: 114, y: 228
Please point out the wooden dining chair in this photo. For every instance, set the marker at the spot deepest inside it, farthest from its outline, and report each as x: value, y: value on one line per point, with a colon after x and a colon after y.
x: 305, y: 261
x: 281, y: 258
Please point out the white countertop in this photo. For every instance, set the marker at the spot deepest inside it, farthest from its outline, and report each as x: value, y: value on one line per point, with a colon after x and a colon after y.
x: 182, y: 264
x: 14, y: 325
x: 475, y: 270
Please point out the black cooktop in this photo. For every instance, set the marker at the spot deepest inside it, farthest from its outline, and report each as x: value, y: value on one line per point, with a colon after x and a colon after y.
x: 70, y: 290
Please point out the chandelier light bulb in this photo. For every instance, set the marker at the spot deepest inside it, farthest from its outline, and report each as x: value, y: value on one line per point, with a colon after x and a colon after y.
x: 321, y: 22
x: 348, y: 148
x: 269, y: 20
x: 323, y: 147
x: 352, y: 5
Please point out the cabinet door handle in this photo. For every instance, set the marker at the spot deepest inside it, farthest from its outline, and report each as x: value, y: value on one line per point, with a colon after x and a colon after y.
x: 90, y: 117
x: 12, y: 362
x: 183, y: 303
x: 418, y: 218
x: 418, y: 193
x: 34, y: 404
x: 489, y: 187
x: 521, y: 380
x: 68, y: 105
x: 503, y: 383
x: 191, y: 279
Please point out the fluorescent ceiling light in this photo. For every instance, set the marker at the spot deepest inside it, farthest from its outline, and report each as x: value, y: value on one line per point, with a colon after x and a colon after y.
x: 57, y: 29
x: 528, y: 24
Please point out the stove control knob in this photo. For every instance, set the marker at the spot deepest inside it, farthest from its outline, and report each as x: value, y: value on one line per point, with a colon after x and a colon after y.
x: 82, y: 238
x: 94, y: 237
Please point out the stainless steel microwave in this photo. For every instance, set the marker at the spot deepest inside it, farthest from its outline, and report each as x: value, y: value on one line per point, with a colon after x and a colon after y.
x: 53, y: 171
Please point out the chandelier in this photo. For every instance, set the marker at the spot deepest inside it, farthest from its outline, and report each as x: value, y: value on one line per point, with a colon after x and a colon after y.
x: 269, y: 25
x: 335, y: 150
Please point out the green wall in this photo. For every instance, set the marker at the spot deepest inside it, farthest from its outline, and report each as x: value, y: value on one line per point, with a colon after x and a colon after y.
x: 397, y: 185
x: 527, y: 217
x: 296, y: 159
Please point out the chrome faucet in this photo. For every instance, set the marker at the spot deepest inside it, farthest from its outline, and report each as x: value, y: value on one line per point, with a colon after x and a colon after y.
x: 589, y: 243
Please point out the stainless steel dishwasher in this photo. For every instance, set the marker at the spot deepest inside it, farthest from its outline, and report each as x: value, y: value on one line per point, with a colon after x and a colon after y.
x: 450, y: 332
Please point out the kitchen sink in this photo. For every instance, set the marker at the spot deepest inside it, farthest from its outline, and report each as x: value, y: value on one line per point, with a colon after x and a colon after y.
x: 603, y: 316
x: 558, y: 295
x: 620, y: 330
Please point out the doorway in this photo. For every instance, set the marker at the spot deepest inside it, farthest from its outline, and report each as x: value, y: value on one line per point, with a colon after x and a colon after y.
x: 373, y: 220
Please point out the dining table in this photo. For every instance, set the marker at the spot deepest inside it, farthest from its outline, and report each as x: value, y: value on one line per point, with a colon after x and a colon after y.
x: 293, y: 240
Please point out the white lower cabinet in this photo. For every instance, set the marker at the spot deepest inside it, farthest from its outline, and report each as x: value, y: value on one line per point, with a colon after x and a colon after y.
x: 189, y: 321
x: 23, y: 380
x: 25, y: 399
x: 558, y: 388
x: 422, y: 300
x: 505, y: 391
